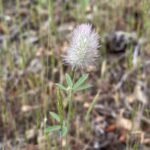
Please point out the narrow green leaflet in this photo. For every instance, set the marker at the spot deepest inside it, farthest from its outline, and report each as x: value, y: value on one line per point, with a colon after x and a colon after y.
x: 69, y: 80
x: 52, y: 128
x: 55, y: 116
x: 61, y: 87
x: 64, y: 131
x: 83, y: 87
x: 80, y: 81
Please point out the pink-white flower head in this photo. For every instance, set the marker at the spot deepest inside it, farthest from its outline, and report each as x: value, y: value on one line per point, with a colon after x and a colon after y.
x: 83, y: 47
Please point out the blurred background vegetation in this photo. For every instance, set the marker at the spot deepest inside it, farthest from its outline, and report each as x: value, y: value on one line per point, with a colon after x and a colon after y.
x: 34, y: 34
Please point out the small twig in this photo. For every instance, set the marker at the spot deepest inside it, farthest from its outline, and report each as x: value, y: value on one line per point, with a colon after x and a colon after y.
x: 125, y: 76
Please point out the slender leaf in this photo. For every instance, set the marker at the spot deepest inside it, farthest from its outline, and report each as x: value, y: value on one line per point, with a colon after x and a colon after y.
x: 52, y: 128
x: 69, y: 80
x: 83, y: 87
x: 61, y: 87
x: 60, y: 107
x: 81, y: 80
x: 92, y: 106
x: 55, y: 116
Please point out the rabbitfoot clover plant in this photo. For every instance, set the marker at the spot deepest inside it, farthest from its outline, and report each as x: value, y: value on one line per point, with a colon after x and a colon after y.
x: 82, y: 53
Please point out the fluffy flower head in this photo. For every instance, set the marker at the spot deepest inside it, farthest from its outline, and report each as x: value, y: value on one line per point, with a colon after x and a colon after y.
x: 83, y: 47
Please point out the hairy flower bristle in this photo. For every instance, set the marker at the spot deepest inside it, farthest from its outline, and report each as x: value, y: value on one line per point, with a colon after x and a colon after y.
x: 83, y: 47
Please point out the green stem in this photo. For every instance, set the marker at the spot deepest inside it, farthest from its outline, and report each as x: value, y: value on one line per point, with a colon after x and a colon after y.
x: 69, y: 117
x: 73, y: 75
x: 70, y: 104
x: 69, y: 110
